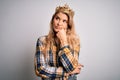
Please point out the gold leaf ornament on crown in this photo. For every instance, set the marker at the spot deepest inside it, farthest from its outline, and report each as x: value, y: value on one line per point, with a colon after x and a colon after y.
x: 65, y: 9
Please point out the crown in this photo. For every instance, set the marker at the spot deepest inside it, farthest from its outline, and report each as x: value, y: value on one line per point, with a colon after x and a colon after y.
x: 65, y: 9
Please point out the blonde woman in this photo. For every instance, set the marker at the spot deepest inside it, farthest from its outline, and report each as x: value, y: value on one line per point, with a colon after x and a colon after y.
x: 56, y: 56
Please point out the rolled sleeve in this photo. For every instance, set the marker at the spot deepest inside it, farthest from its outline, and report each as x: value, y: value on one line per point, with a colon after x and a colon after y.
x: 69, y: 58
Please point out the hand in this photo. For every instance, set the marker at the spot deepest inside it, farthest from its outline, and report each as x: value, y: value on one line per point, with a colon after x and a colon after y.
x: 61, y: 34
x: 77, y: 69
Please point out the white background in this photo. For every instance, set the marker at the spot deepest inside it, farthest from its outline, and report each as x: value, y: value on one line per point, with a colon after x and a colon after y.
x: 96, y: 21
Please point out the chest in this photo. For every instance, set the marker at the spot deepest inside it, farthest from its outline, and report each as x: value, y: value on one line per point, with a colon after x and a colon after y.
x: 53, y: 58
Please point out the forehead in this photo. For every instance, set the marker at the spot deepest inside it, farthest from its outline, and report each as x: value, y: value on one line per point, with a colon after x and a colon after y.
x: 62, y: 16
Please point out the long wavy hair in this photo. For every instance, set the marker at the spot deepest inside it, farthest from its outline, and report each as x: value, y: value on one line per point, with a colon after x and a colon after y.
x: 72, y: 37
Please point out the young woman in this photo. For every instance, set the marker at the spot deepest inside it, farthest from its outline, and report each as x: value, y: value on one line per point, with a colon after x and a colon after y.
x: 57, y: 53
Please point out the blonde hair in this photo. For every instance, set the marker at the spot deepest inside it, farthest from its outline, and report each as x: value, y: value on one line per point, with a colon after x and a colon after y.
x: 72, y: 38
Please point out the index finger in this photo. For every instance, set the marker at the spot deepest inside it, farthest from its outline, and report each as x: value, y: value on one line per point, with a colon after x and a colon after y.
x: 81, y: 65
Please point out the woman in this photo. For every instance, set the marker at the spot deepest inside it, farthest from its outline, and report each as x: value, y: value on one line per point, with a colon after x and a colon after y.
x: 57, y: 53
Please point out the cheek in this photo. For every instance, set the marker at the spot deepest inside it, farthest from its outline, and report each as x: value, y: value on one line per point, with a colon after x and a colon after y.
x: 54, y: 24
x: 65, y: 26
x: 54, y: 21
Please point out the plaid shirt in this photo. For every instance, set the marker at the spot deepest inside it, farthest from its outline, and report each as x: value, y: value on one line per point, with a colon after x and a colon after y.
x: 57, y: 62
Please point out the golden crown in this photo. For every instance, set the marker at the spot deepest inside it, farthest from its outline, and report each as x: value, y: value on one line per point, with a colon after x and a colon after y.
x: 65, y: 9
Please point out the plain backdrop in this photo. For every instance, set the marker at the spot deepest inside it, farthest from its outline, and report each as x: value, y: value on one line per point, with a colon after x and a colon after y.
x: 97, y: 22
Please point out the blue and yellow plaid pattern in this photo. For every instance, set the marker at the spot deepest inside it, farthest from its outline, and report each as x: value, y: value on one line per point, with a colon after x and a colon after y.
x: 57, y: 62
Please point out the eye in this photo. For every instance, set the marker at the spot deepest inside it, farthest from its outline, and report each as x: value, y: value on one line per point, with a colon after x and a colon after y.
x: 57, y: 18
x: 65, y: 21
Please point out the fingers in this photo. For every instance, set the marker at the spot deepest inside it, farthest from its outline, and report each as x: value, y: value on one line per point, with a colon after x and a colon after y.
x: 61, y: 34
x: 80, y: 66
x: 77, y: 70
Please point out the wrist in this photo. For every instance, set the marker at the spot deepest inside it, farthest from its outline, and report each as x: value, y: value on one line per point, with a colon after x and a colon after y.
x: 64, y: 43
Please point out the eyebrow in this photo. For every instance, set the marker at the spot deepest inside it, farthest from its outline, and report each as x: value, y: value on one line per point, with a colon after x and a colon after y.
x: 60, y: 18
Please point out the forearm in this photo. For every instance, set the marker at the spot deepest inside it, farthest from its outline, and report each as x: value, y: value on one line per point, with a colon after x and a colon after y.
x: 69, y: 58
x: 44, y: 70
x: 49, y: 72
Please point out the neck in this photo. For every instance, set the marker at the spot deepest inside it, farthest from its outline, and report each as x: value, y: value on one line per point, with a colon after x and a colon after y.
x: 57, y: 41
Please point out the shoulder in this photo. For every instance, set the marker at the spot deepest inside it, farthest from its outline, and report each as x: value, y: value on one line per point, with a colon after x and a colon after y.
x: 41, y: 39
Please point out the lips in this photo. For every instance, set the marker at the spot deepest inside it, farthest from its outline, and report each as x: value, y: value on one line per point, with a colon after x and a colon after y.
x: 57, y: 27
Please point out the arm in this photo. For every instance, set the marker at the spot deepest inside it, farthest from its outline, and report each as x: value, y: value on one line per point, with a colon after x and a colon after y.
x: 69, y: 58
x: 41, y: 66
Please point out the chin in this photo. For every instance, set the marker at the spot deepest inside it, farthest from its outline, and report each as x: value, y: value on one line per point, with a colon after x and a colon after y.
x: 56, y: 30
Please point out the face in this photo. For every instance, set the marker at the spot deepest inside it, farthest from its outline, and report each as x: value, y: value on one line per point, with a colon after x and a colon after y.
x: 60, y: 21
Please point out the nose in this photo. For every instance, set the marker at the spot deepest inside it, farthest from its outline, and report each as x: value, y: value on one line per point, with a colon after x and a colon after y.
x: 59, y: 22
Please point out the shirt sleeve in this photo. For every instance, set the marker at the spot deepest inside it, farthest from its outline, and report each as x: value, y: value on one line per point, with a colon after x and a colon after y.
x: 42, y: 68
x: 69, y: 57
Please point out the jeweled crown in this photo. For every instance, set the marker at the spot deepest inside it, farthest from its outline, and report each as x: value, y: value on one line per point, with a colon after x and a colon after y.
x: 65, y: 9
